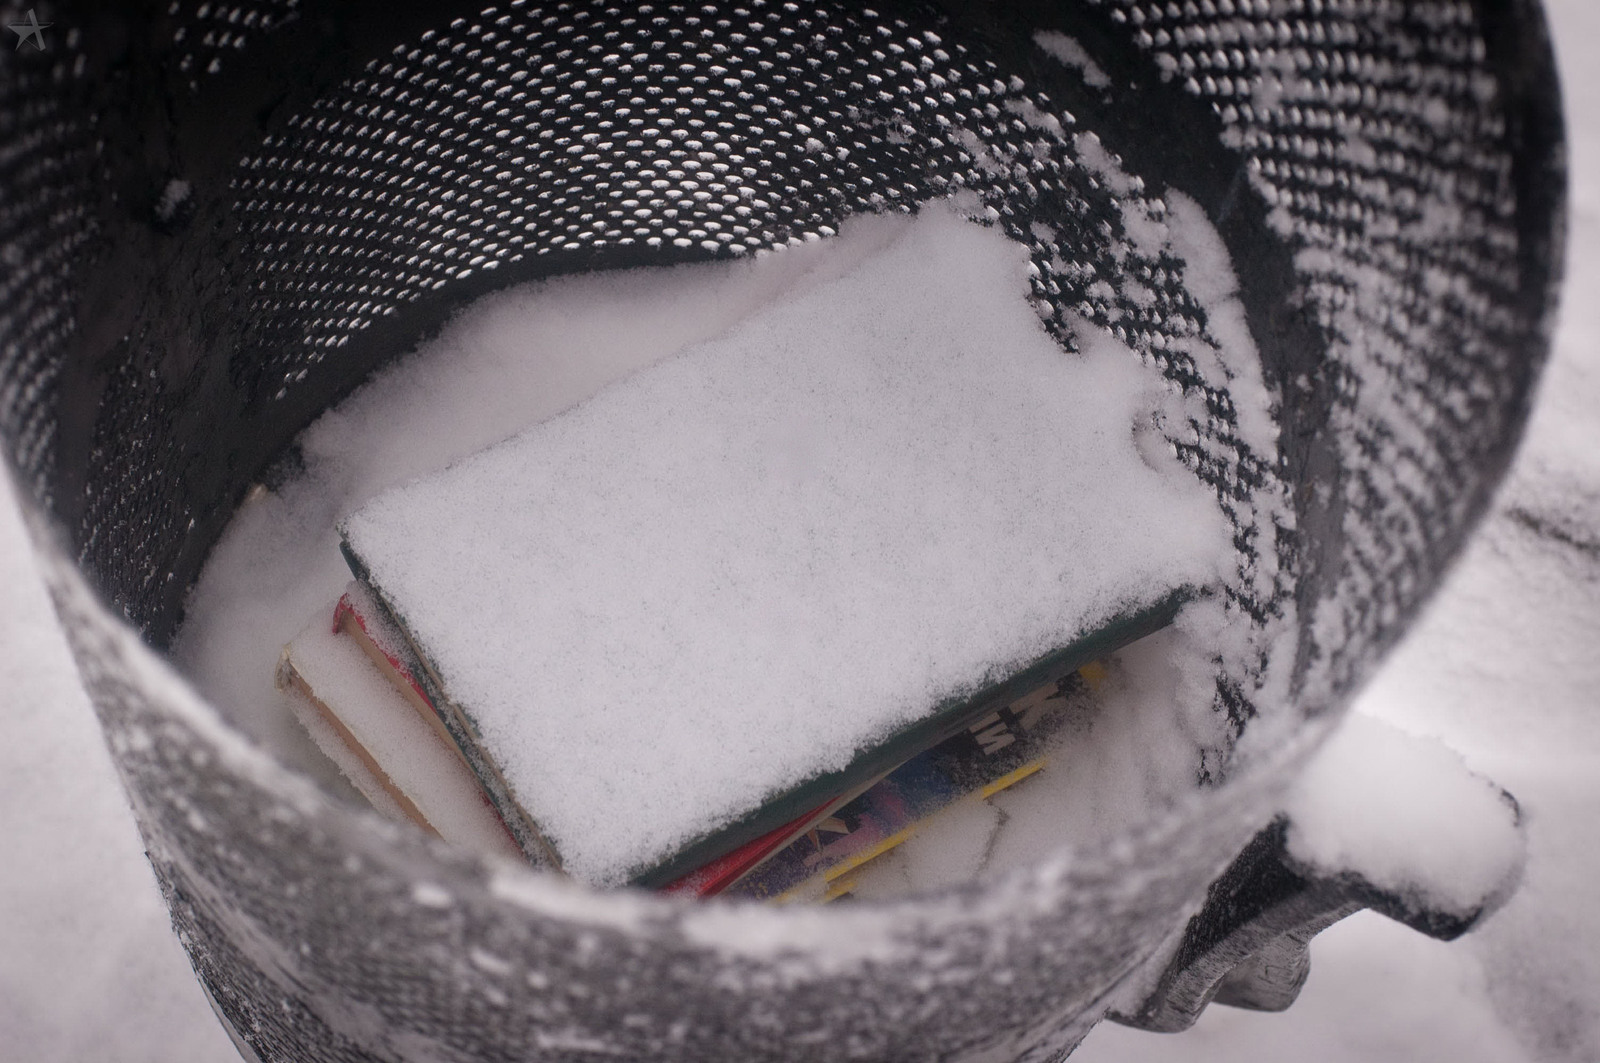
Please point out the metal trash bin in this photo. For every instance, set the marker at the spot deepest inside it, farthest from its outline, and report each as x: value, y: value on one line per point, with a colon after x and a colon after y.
x: 221, y: 217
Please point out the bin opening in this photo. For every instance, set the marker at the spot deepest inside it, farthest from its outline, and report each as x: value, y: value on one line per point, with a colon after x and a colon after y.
x: 682, y: 559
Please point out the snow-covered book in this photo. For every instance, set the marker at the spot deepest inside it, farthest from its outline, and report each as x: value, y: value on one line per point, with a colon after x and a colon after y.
x: 721, y: 857
x: 779, y: 563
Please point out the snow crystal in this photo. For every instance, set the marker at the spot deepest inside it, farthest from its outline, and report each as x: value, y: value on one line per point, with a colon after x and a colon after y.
x: 431, y: 895
x: 752, y: 560
x: 1208, y: 275
x: 173, y: 196
x: 1070, y: 53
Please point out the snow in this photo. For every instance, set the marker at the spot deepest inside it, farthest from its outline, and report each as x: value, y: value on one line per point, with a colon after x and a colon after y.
x: 1208, y: 273
x: 850, y: 938
x: 1069, y: 52
x: 89, y: 967
x: 1503, y: 668
x: 1404, y: 813
x: 852, y: 507
x: 173, y: 196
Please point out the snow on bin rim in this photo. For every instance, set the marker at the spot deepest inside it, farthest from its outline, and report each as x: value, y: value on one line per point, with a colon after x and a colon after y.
x: 803, y: 943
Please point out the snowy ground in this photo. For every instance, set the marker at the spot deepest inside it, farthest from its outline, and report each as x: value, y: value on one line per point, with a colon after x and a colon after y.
x: 1505, y: 667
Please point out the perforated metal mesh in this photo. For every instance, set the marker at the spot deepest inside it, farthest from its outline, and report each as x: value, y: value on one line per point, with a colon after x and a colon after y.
x: 222, y: 217
x: 46, y: 221
x: 1366, y: 134
x: 588, y: 135
x: 204, y: 35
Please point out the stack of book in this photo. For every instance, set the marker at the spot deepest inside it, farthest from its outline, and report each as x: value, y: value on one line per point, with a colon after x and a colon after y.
x: 373, y: 706
x: 790, y: 581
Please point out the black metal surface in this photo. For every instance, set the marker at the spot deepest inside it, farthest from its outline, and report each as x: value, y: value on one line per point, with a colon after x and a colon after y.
x: 1248, y: 945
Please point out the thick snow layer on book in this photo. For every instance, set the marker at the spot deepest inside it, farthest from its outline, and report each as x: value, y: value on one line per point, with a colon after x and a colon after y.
x: 735, y: 569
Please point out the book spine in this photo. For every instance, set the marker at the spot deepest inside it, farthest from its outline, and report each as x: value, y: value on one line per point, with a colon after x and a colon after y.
x: 992, y: 753
x: 721, y: 873
x: 290, y: 680
x: 713, y: 878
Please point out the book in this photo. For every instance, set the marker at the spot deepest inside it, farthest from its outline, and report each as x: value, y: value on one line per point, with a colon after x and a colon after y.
x: 988, y: 721
x: 389, y: 752
x: 371, y: 715
x: 722, y: 872
x: 991, y: 754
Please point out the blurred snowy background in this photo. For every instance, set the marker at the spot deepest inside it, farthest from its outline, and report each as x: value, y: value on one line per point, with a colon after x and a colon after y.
x: 1504, y: 667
